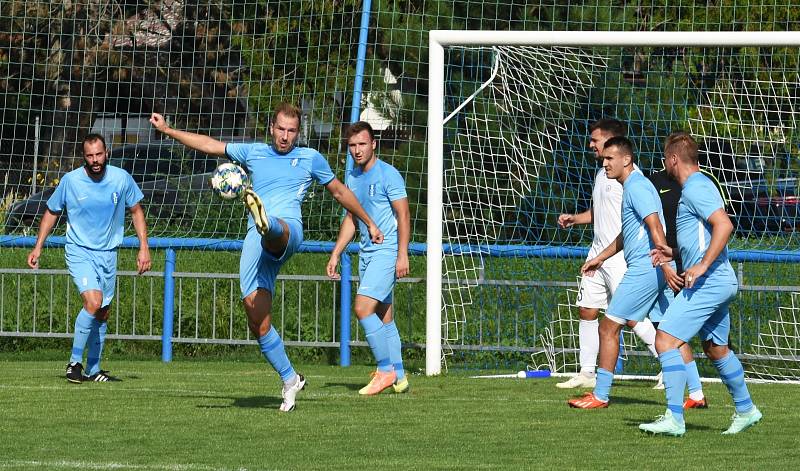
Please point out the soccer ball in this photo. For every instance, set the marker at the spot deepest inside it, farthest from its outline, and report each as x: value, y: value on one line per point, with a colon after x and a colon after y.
x: 229, y: 181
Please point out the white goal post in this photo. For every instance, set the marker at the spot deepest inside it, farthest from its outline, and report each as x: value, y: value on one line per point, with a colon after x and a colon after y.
x: 440, y: 39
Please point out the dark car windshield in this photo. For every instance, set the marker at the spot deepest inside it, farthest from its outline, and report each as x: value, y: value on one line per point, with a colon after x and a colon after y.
x: 147, y: 162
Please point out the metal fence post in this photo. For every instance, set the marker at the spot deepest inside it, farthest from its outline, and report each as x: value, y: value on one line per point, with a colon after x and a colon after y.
x: 169, y: 306
x: 345, y: 299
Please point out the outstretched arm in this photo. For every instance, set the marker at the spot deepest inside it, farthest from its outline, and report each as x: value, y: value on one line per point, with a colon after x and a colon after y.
x: 346, y: 232
x: 49, y: 219
x: 346, y: 198
x: 200, y: 142
x: 140, y: 225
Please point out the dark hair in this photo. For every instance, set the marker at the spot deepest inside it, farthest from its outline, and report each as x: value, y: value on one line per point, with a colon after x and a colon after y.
x: 357, y: 127
x: 623, y: 144
x: 286, y: 109
x: 683, y: 144
x: 613, y: 126
x: 92, y: 137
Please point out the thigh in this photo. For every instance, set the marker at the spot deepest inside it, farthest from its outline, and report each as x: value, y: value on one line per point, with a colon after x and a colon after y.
x: 593, y: 292
x: 693, y: 308
x: 83, y: 269
x: 636, y: 295
x: 377, y: 276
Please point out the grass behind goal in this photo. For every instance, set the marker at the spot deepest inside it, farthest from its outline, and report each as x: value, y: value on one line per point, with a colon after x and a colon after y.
x: 223, y: 415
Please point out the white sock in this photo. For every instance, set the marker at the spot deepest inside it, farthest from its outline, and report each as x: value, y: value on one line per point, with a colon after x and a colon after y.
x: 589, y: 339
x: 697, y: 395
x: 647, y: 333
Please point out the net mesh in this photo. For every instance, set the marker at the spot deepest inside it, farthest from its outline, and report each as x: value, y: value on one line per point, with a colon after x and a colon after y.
x: 516, y: 157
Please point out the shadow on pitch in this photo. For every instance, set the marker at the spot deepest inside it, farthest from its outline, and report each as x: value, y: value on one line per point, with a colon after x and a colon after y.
x: 350, y: 386
x: 253, y: 402
x: 634, y: 400
x: 689, y: 426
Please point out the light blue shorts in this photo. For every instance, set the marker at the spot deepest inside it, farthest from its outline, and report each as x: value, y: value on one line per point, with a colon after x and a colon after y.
x: 93, y: 270
x: 377, y: 275
x: 637, y: 293
x: 702, y: 309
x: 259, y: 268
x: 662, y: 304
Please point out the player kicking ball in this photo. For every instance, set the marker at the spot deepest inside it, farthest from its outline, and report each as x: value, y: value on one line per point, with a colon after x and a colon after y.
x: 642, y: 286
x: 710, y: 284
x: 382, y: 193
x: 281, y: 174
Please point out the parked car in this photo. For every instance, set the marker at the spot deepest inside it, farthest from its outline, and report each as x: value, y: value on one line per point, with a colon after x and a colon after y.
x: 165, y: 171
x: 760, y: 189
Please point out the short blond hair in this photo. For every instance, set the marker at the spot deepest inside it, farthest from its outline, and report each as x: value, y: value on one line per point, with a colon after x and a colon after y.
x: 286, y: 109
x: 683, y: 144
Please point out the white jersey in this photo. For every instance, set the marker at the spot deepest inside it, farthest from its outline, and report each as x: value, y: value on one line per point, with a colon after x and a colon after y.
x: 607, y: 217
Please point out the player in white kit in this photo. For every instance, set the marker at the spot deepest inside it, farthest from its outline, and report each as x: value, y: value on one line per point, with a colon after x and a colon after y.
x: 595, y: 291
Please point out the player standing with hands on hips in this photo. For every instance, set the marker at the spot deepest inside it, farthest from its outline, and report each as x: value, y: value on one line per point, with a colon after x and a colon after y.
x: 381, y: 191
x: 95, y: 197
x: 281, y: 174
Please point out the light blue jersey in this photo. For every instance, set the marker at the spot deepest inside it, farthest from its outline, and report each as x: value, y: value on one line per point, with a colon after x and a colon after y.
x: 95, y: 210
x: 639, y: 200
x: 376, y: 189
x: 699, y: 200
x: 281, y: 180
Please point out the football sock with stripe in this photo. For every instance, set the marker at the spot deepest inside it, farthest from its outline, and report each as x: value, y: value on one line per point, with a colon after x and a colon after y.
x: 273, y: 350
x: 97, y: 339
x: 732, y: 374
x: 395, y: 348
x: 603, y: 386
x: 674, y: 381
x: 376, y: 338
x: 83, y: 327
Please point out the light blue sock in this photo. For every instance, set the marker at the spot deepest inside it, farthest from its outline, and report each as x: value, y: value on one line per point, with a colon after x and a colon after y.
x: 674, y: 381
x: 97, y: 339
x: 83, y: 327
x: 693, y: 377
x: 395, y: 348
x: 376, y: 338
x: 603, y: 386
x: 273, y: 350
x: 732, y: 374
x: 275, y: 228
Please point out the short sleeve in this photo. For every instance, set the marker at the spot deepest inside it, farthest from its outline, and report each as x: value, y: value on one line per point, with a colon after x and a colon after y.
x: 132, y: 192
x: 395, y: 186
x: 644, y: 201
x: 238, y: 152
x: 57, y: 200
x: 321, y: 170
x: 704, y: 200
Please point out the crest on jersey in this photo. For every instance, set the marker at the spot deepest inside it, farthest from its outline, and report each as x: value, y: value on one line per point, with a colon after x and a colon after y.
x: 115, y: 197
x: 294, y: 162
x: 372, y: 190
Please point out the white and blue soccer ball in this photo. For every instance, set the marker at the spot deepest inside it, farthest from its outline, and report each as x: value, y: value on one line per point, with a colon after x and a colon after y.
x: 229, y: 181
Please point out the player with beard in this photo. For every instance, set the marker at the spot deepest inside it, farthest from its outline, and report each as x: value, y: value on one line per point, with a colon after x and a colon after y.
x: 94, y: 197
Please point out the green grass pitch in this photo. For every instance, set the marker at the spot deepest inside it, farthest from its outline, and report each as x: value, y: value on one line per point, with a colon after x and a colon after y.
x: 209, y: 415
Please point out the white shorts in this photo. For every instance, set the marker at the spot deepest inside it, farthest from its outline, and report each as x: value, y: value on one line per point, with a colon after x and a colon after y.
x: 595, y: 291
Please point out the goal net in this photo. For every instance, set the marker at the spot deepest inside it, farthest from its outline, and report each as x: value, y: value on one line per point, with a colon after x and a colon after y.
x: 508, y: 127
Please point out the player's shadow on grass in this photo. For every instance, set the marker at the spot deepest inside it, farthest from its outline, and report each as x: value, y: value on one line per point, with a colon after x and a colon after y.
x: 350, y: 386
x: 689, y: 427
x: 634, y: 400
x: 253, y: 402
